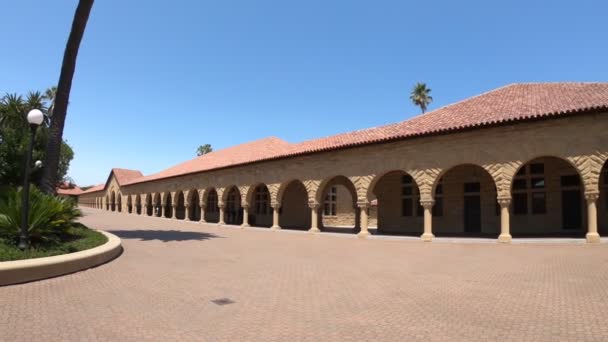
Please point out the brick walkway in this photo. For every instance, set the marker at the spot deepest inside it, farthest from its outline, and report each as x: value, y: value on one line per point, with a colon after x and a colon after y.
x: 292, y: 286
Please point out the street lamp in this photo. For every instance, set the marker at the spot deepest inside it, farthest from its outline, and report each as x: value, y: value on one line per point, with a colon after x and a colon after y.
x: 35, y: 118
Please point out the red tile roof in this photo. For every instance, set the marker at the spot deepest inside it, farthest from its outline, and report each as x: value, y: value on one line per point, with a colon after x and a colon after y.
x: 512, y: 103
x: 67, y: 189
x: 95, y: 188
x: 124, y: 176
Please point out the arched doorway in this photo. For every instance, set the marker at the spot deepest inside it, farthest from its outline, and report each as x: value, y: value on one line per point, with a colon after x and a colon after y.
x: 233, y: 211
x: 466, y: 203
x: 138, y: 206
x: 129, y: 205
x: 398, y: 204
x: 547, y: 199
x: 157, y: 205
x: 119, y: 202
x: 260, y: 211
x: 168, y: 205
x: 195, y: 207
x: 602, y: 203
x: 180, y: 209
x: 339, y: 211
x: 294, y: 212
x: 212, y: 210
x: 113, y: 201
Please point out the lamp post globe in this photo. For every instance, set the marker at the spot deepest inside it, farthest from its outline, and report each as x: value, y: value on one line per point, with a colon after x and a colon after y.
x: 35, y: 117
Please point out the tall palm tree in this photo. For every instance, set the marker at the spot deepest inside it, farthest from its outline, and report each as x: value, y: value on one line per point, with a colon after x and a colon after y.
x: 420, y: 96
x: 53, y: 147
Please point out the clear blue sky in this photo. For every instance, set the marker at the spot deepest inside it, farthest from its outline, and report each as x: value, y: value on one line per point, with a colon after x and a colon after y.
x: 155, y: 79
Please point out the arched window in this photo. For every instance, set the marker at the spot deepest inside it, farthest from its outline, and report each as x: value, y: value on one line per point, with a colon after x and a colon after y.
x: 331, y: 202
x: 212, y: 206
x: 262, y: 201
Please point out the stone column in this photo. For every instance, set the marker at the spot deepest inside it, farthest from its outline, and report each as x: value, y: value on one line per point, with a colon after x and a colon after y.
x: 203, y: 207
x: 428, y: 220
x: 592, y: 235
x: 314, y: 217
x: 221, y: 206
x: 275, y: 216
x: 174, y: 211
x: 162, y: 209
x: 364, y: 219
x: 187, y: 212
x: 505, y: 226
x: 245, y: 215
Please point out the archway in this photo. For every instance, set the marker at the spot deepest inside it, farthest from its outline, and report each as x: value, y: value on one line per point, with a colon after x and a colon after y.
x: 294, y: 212
x: 168, y: 205
x: 129, y: 205
x: 398, y: 204
x: 149, y: 209
x: 119, y: 202
x: 339, y: 211
x: 157, y: 205
x: 180, y: 209
x: 138, y: 206
x: 113, y: 201
x: 466, y: 203
x: 260, y: 211
x: 233, y: 211
x: 547, y: 199
x: 107, y: 203
x: 212, y: 210
x: 195, y: 207
x: 602, y: 203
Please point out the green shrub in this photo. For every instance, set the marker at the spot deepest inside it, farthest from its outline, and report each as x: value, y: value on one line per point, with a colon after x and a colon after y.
x: 50, y: 217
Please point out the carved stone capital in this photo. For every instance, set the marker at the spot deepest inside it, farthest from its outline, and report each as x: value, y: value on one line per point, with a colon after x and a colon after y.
x: 504, y: 202
x: 363, y: 205
x: 245, y: 205
x: 592, y: 196
x: 221, y: 205
x: 187, y: 205
x: 313, y: 205
x: 276, y: 206
x: 427, y: 204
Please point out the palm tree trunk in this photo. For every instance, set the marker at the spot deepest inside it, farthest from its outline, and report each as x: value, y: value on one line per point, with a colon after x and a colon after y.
x: 53, y: 147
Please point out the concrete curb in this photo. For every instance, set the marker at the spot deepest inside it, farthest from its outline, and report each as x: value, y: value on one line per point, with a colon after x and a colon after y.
x: 21, y: 271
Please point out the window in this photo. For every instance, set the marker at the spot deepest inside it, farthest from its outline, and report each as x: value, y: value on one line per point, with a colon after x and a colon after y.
x: 572, y: 180
x: 529, y: 186
x: 410, y: 197
x: 539, y: 203
x: 262, y: 205
x: 472, y: 187
x: 329, y: 207
x: 520, y: 204
x: 438, y: 207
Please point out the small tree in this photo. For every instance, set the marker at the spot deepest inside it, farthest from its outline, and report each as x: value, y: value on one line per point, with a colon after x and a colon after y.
x: 420, y: 96
x: 203, y: 149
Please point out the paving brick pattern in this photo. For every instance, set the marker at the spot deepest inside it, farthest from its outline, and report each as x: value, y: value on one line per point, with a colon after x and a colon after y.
x: 293, y: 286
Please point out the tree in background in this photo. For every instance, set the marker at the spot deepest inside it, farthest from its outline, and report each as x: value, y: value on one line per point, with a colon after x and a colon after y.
x: 203, y: 149
x: 50, y: 176
x: 420, y: 96
x: 14, y: 137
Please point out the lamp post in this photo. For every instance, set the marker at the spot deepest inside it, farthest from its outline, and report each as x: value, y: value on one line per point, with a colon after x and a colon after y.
x: 35, y: 118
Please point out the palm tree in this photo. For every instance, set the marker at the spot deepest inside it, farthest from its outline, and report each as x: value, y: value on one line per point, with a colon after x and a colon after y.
x: 50, y: 94
x: 203, y: 149
x: 53, y: 147
x: 420, y: 96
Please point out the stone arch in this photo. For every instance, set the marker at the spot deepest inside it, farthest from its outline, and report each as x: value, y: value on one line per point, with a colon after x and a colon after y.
x: 466, y: 202
x: 233, y: 212
x: 180, y: 205
x: 168, y: 204
x: 338, y: 213
x: 396, y: 203
x: 119, y: 202
x: 157, y: 204
x: 138, y: 205
x: 295, y: 212
x: 282, y: 187
x: 194, y: 202
x: 210, y: 199
x: 547, y: 198
x: 259, y: 199
x: 129, y: 204
x: 374, y: 179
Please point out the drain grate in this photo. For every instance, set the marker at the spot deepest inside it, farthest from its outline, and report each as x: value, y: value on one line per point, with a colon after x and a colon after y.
x: 223, y: 301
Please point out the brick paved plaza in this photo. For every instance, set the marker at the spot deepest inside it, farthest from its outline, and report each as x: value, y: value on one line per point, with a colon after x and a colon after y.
x: 296, y: 286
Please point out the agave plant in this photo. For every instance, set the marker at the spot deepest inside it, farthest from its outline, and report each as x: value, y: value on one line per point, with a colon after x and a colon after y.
x: 50, y: 217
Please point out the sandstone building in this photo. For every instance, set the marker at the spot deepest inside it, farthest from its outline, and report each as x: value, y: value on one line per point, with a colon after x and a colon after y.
x: 521, y: 160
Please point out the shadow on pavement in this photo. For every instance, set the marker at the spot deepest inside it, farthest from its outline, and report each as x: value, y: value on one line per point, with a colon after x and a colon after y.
x: 163, y: 235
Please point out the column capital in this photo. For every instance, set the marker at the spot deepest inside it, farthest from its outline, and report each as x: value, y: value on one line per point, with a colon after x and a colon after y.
x: 504, y: 201
x: 187, y: 205
x: 427, y: 204
x: 313, y: 205
x: 276, y: 206
x: 221, y: 205
x: 592, y: 196
x: 363, y: 205
x: 174, y: 205
x: 245, y: 205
